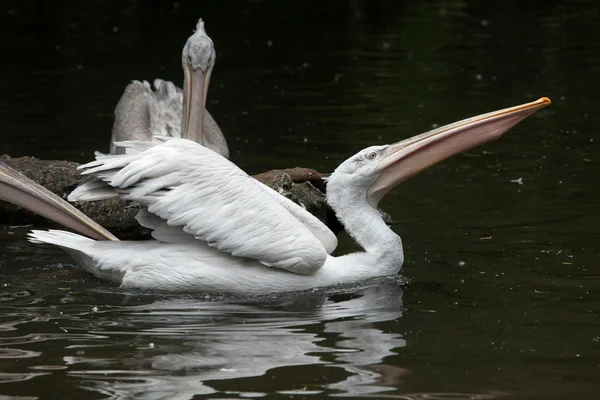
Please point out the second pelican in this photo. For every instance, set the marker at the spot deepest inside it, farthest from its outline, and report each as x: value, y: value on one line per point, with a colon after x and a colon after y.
x: 142, y: 114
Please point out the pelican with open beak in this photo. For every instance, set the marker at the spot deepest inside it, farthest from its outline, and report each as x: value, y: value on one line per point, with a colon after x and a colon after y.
x: 217, y: 230
x: 408, y: 157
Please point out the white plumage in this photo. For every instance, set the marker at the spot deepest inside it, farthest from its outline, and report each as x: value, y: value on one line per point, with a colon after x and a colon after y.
x: 219, y: 230
x: 190, y: 186
x: 194, y: 266
x: 216, y: 228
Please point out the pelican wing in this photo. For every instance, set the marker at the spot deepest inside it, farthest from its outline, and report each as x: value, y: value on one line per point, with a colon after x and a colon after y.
x: 319, y: 229
x: 145, y: 114
x: 210, y: 198
x: 165, y: 117
x: 132, y: 115
x: 166, y: 108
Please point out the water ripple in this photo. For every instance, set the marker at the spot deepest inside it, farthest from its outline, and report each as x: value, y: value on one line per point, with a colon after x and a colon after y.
x: 10, y: 377
x: 42, y: 337
x: 18, y: 353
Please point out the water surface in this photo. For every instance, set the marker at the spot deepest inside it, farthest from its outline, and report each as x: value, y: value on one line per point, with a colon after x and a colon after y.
x: 503, y: 278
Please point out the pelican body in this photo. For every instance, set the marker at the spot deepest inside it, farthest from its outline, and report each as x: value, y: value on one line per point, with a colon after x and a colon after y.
x: 216, y: 229
x: 143, y: 113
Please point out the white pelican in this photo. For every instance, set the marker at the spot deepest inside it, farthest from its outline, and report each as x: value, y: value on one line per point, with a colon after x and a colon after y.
x: 142, y: 114
x: 218, y: 230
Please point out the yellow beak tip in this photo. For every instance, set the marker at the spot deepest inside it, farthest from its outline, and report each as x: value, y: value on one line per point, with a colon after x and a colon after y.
x: 545, y: 100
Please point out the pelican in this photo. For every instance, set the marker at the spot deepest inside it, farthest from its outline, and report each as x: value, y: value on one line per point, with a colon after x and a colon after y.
x: 142, y: 113
x: 216, y: 229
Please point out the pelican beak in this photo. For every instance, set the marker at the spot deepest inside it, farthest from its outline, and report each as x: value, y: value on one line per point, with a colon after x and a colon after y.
x: 408, y: 157
x: 17, y: 189
x: 195, y: 92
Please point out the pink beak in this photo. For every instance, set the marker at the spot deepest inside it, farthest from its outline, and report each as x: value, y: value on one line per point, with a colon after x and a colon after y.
x: 408, y: 157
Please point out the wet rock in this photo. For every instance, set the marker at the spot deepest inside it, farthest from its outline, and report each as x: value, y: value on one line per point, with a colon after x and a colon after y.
x: 300, y: 186
x: 61, y: 177
x: 297, y: 175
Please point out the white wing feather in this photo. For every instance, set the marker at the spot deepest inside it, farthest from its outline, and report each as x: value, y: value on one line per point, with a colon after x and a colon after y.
x: 191, y: 186
x: 319, y: 229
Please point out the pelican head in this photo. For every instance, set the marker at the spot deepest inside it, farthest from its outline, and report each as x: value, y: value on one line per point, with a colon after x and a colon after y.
x: 198, y: 59
x: 374, y: 171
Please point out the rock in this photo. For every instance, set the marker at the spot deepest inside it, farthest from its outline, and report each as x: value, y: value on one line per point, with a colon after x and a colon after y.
x: 297, y: 175
x: 300, y: 185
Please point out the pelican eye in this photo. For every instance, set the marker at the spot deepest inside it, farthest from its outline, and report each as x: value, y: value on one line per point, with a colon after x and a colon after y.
x: 372, y: 155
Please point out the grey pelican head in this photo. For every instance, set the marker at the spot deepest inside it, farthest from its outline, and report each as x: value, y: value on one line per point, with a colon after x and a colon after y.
x: 198, y: 59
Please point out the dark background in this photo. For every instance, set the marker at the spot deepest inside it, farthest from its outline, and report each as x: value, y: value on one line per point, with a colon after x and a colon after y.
x: 504, y: 286
x: 352, y: 71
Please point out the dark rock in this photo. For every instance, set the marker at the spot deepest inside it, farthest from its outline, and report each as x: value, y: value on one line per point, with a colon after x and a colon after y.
x: 61, y: 177
x: 297, y: 175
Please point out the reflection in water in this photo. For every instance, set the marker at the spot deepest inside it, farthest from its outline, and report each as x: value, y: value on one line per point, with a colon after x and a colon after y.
x: 178, y: 348
x: 225, y: 340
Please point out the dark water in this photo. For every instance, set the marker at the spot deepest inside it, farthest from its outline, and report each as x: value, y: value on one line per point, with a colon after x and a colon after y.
x: 504, y: 292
